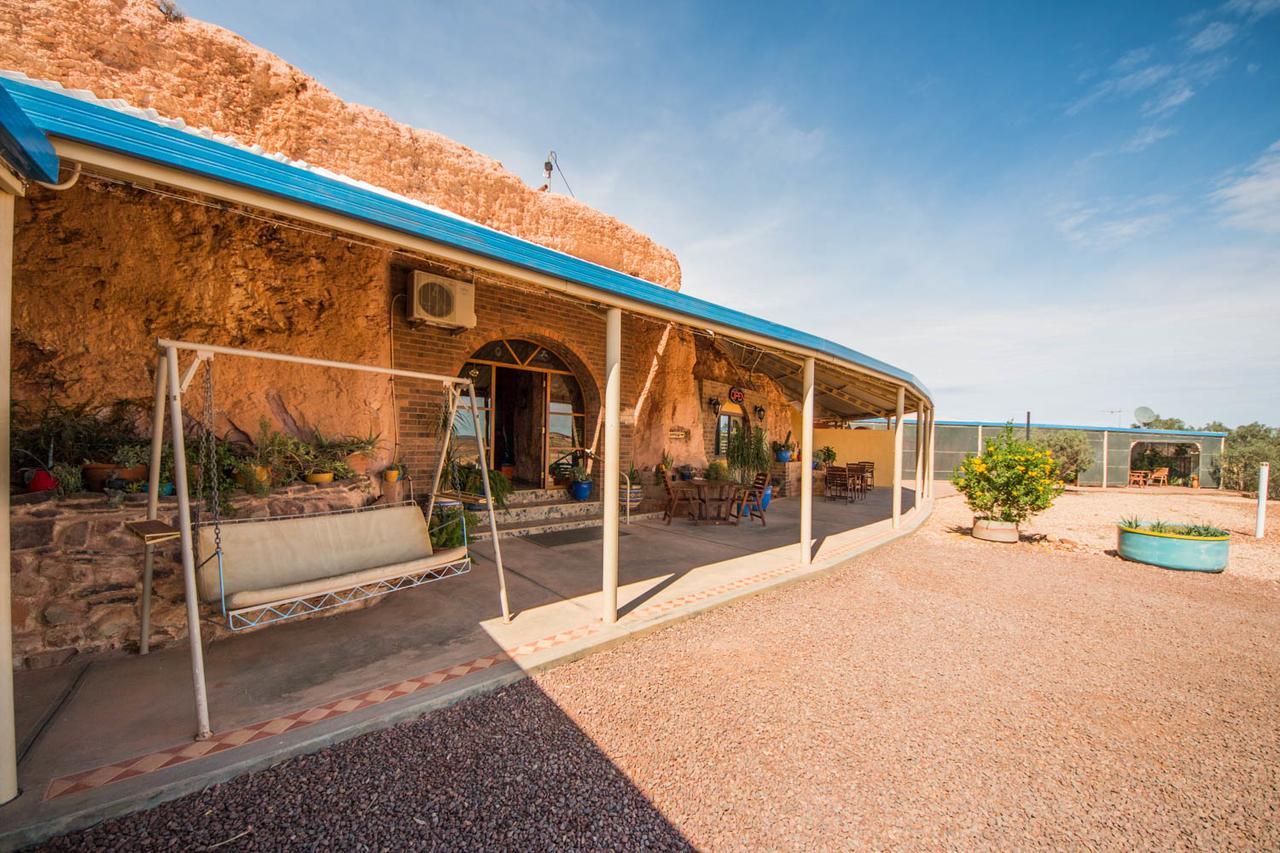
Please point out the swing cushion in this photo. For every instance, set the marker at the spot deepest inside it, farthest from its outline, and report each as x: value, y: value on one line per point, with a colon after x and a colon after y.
x: 276, y: 559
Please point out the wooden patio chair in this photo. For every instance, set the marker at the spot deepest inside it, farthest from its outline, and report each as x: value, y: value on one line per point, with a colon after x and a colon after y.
x: 859, y: 477
x: 837, y: 485
x: 1138, y: 478
x: 677, y: 493
x: 869, y: 470
x: 751, y: 500
x: 1158, y: 477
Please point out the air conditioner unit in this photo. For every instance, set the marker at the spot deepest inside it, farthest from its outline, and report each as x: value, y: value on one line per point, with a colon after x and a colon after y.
x: 442, y: 301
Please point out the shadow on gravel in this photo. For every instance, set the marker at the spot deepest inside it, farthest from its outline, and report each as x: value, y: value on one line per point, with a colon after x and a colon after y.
x: 507, y: 770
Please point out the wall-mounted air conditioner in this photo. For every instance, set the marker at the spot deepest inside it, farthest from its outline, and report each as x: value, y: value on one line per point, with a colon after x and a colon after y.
x: 442, y: 301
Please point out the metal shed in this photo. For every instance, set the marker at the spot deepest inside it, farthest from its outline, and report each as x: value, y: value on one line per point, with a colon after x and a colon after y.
x: 958, y: 439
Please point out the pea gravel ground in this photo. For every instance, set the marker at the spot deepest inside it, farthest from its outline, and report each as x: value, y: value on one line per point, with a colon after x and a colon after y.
x: 939, y: 692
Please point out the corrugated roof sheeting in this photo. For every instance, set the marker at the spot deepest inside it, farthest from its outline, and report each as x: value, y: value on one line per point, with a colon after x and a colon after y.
x: 23, y: 145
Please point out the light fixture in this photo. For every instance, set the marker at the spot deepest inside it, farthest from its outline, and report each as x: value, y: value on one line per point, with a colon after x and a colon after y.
x: 715, y: 404
x: 759, y: 410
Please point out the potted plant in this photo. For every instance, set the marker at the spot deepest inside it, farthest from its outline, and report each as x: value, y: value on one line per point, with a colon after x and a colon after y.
x: 717, y: 471
x: 129, y: 465
x: 826, y: 456
x: 580, y: 483
x: 500, y: 487
x: 357, y: 453
x: 393, y: 472
x: 783, y: 450
x: 1010, y: 482
x: 663, y: 466
x: 631, y: 496
x: 1185, y: 547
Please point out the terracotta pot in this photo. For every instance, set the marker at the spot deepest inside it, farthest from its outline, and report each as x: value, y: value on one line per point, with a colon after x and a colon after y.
x: 990, y: 530
x: 391, y: 475
x: 96, y: 474
x: 317, y: 478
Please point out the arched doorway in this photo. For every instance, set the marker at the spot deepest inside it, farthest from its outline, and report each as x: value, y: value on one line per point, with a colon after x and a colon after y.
x: 532, y: 411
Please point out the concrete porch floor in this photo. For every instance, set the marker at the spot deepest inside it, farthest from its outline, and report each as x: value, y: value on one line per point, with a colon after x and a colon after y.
x: 108, y: 736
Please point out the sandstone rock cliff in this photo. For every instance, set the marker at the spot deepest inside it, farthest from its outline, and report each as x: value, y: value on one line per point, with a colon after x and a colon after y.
x: 207, y: 75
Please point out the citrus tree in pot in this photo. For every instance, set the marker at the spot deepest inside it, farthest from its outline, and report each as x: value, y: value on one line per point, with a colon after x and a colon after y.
x: 1011, y: 481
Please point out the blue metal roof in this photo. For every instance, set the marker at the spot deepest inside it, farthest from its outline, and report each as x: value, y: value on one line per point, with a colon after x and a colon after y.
x: 1019, y: 425
x: 61, y: 114
x: 23, y: 146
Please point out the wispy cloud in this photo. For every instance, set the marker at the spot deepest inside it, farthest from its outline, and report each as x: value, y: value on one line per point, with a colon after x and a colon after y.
x: 767, y: 126
x: 1251, y: 200
x: 1107, y: 223
x: 1213, y: 37
x: 1253, y: 9
x: 1145, y: 138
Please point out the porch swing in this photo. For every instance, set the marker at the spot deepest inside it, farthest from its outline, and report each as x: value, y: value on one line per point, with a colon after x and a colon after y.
x: 265, y: 570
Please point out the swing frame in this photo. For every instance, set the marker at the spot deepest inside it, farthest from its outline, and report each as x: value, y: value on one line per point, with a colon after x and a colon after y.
x: 170, y: 383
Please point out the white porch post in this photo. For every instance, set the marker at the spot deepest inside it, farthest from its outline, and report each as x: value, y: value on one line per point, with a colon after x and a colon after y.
x: 897, y: 459
x: 918, y: 496
x: 1105, y: 454
x: 933, y: 437
x: 8, y: 741
x: 806, y: 467
x: 612, y: 458
x: 174, y: 392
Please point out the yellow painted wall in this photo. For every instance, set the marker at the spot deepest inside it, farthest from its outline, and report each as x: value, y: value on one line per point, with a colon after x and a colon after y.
x: 854, y: 445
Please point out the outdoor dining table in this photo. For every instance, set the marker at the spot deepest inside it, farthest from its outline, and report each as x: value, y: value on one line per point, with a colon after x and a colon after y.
x: 715, y: 499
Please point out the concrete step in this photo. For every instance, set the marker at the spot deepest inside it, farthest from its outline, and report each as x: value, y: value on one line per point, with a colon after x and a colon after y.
x: 528, y: 528
x: 546, y: 511
x: 538, y: 496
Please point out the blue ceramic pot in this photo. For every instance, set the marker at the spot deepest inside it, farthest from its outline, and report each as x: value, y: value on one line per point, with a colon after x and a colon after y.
x: 580, y: 489
x: 783, y: 455
x: 1173, y: 550
x: 768, y: 496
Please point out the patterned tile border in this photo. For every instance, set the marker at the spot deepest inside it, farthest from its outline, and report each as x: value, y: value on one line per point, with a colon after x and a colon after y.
x: 97, y: 777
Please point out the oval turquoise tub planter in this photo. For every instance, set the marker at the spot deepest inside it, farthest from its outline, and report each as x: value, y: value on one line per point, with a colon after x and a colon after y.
x: 783, y: 455
x: 1173, y: 550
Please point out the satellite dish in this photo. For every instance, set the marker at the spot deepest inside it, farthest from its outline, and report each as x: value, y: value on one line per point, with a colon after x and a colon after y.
x: 1144, y: 415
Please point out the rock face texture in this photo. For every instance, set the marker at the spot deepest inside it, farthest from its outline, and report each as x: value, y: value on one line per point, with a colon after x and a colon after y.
x: 211, y: 77
x: 101, y: 271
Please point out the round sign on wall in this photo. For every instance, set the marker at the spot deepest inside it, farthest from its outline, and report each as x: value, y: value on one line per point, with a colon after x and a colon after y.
x: 736, y: 395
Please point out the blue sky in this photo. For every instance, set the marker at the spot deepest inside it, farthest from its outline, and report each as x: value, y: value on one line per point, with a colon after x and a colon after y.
x: 1068, y: 208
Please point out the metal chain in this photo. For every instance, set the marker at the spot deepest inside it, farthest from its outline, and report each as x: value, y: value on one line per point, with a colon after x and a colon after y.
x: 209, y: 451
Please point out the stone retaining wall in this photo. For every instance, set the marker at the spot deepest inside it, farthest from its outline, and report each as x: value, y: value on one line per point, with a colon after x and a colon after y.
x: 77, y: 571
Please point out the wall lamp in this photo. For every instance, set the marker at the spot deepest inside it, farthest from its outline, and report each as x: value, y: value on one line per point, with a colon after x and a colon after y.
x: 759, y: 410
x: 715, y: 404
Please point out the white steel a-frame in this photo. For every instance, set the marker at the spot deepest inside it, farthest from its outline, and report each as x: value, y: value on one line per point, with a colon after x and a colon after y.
x: 169, y: 387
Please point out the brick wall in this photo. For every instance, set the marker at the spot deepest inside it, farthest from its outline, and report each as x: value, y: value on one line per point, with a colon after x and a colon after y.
x: 573, y: 331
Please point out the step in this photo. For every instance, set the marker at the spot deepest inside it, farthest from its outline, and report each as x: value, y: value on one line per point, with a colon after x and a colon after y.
x: 546, y: 511
x: 537, y: 496
x: 528, y: 528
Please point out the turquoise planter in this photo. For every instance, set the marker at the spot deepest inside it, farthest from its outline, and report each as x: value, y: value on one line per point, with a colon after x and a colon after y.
x: 1172, y: 551
x: 580, y: 489
x: 783, y: 455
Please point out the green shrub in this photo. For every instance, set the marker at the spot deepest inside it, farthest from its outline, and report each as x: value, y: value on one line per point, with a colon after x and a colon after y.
x: 826, y: 455
x: 748, y: 453
x: 717, y: 471
x: 1071, y: 449
x: 1011, y: 481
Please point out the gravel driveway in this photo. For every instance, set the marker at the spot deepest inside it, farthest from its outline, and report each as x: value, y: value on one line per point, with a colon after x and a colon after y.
x: 937, y: 692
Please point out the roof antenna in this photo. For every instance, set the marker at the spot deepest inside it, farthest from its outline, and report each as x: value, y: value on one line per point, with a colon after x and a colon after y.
x: 553, y: 162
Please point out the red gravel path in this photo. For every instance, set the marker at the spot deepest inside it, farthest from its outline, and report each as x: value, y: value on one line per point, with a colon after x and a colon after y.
x: 937, y: 692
